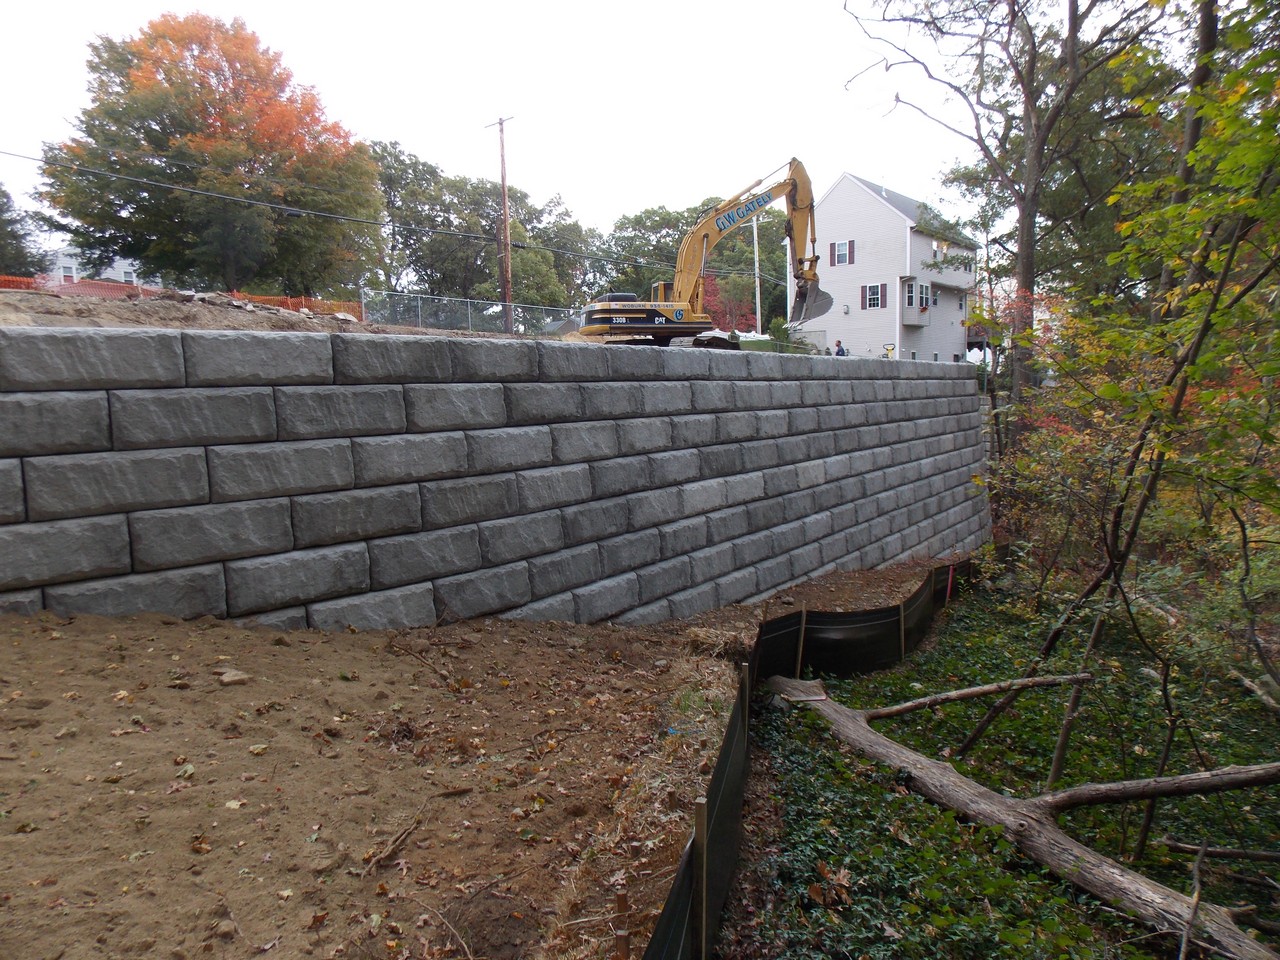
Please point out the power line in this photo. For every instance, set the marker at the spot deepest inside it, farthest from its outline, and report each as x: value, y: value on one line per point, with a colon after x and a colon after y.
x: 381, y: 224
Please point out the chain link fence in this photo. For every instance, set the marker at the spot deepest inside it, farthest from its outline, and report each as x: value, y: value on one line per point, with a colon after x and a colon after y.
x: 450, y: 313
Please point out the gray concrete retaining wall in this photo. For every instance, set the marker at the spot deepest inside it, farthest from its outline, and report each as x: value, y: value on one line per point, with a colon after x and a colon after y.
x: 353, y: 479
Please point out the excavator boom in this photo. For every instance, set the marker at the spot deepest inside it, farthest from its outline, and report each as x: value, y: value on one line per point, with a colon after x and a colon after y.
x: 675, y: 309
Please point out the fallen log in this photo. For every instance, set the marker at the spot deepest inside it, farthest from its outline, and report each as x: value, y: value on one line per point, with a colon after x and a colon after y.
x: 1032, y: 827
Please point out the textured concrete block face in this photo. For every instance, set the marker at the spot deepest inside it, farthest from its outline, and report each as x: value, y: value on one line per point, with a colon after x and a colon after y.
x: 543, y: 402
x: 189, y: 536
x: 692, y: 432
x: 644, y: 435
x: 279, y: 469
x: 303, y: 576
x: 641, y: 363
x: 512, y: 448
x: 674, y: 467
x: 686, y: 364
x: 666, y: 399
x: 577, y: 443
x: 80, y: 485
x: 145, y: 419
x: 33, y: 358
x: 324, y: 518
x: 629, y: 551
x: 291, y: 618
x: 592, y: 522
x: 712, y: 396
x: 560, y: 572
x: 361, y: 358
x: 37, y: 553
x: 553, y: 487
x: 418, y: 557
x: 493, y: 361
x: 572, y: 361
x: 735, y: 587
x: 605, y: 599
x: 607, y: 401
x: 13, y: 505
x: 450, y: 503
x: 737, y: 426
x: 408, y: 457
x: 24, y: 603
x: 412, y: 606
x: 305, y: 413
x: 688, y: 603
x: 36, y: 423
x: 430, y: 408
x: 516, y: 538
x: 683, y: 536
x: 611, y: 478
x: 237, y: 358
x: 559, y: 608
x: 663, y: 579
x: 483, y: 592
x: 652, y: 508
x: 704, y: 496
x: 187, y: 593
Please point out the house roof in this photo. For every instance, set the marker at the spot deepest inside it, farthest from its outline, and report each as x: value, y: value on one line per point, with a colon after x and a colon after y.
x: 918, y: 214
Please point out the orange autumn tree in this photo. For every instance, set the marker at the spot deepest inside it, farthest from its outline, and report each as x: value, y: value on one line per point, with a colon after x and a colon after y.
x: 200, y: 157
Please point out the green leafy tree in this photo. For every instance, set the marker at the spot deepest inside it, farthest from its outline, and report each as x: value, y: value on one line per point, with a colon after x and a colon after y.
x: 198, y: 155
x: 19, y: 255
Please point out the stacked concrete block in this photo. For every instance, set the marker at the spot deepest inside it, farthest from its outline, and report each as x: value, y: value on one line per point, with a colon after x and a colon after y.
x: 301, y: 480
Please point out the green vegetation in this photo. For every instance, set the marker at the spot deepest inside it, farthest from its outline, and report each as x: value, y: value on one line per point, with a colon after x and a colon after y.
x: 869, y: 869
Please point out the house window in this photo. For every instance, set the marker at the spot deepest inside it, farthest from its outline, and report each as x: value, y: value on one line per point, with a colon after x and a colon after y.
x: 68, y: 274
x: 875, y: 296
x: 128, y: 276
x: 935, y: 358
x: 955, y: 358
x: 935, y: 249
x: 911, y: 294
x: 913, y: 354
x: 924, y: 296
x: 841, y: 253
x: 935, y: 296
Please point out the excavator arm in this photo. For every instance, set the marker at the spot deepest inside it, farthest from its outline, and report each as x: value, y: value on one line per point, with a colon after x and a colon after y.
x: 691, y: 262
x: 675, y: 309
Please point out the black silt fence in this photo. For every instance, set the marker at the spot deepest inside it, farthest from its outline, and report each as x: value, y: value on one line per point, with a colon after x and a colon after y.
x: 834, y: 644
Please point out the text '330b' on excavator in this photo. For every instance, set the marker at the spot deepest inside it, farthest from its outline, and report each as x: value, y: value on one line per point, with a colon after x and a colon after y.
x: 675, y: 309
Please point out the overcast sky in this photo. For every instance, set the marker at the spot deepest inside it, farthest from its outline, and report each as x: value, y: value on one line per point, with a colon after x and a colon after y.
x: 615, y: 105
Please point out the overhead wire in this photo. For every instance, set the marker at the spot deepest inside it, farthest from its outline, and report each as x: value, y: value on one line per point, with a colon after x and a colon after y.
x: 381, y: 224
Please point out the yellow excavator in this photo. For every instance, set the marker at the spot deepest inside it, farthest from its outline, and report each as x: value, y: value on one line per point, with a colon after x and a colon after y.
x: 675, y: 307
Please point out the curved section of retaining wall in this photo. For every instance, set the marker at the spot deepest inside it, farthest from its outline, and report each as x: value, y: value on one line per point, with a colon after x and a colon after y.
x: 353, y: 479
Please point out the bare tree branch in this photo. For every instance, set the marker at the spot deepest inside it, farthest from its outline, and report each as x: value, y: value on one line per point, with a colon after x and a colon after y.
x: 972, y: 693
x: 1184, y: 785
x: 1036, y: 835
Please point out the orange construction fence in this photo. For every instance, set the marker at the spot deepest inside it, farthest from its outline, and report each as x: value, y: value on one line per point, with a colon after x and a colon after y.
x: 113, y: 290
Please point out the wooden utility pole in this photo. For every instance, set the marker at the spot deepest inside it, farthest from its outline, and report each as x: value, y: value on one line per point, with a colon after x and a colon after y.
x: 509, y: 318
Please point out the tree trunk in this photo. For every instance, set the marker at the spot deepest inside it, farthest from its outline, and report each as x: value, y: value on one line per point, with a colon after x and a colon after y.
x: 1031, y: 826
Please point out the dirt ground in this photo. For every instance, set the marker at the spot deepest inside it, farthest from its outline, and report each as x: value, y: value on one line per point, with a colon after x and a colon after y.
x: 486, y: 789
x: 178, y: 789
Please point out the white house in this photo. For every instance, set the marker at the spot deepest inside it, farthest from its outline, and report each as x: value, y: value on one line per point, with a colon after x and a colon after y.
x: 68, y: 269
x: 901, y: 278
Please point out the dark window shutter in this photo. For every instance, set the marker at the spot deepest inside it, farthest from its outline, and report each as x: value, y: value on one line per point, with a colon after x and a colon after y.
x: 864, y: 296
x: 833, y: 253
x: 851, y: 251
x: 884, y: 296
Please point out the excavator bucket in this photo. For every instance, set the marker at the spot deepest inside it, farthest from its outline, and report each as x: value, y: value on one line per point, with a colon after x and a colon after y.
x: 811, y: 301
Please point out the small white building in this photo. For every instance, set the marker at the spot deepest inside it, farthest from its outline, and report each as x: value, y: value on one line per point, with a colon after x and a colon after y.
x: 901, y: 277
x: 68, y: 269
